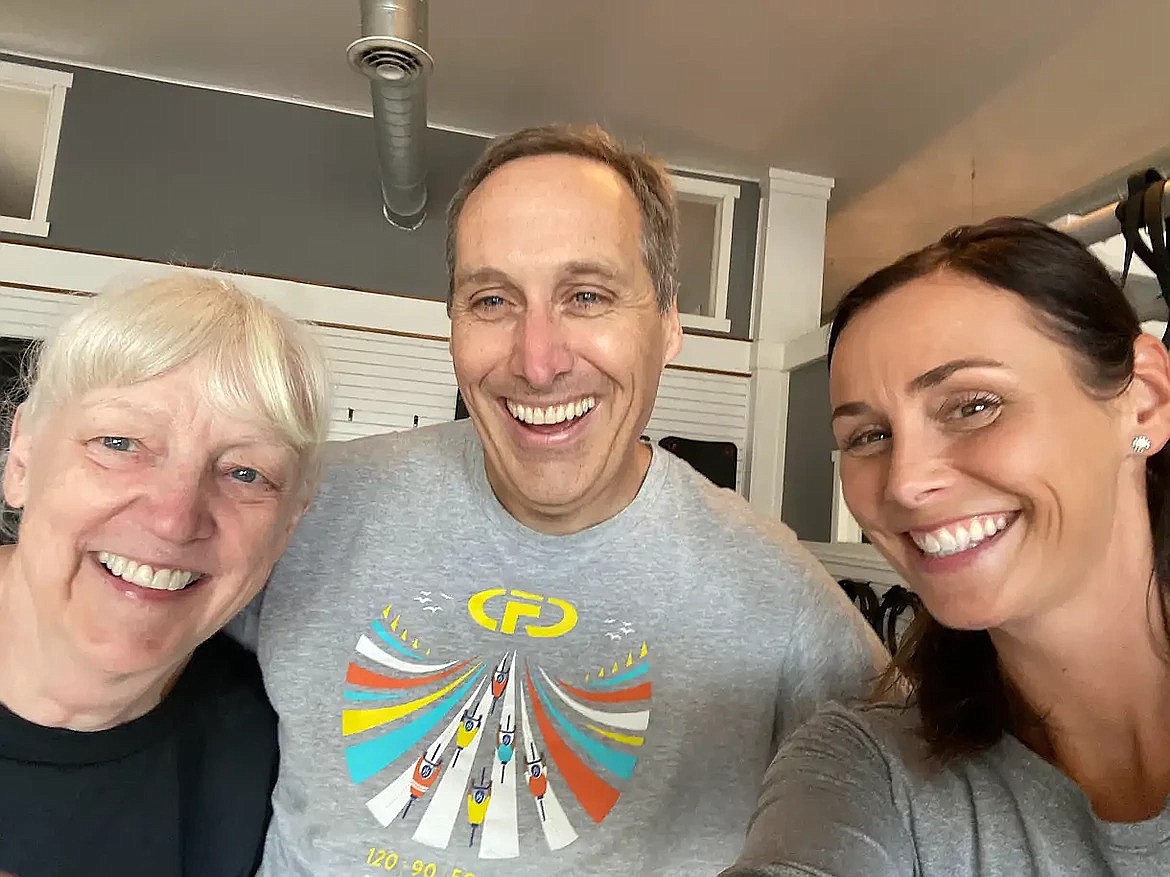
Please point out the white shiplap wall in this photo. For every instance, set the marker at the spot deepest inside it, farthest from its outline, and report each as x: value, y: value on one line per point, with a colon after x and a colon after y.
x: 707, y: 406
x: 384, y: 380
x: 26, y: 313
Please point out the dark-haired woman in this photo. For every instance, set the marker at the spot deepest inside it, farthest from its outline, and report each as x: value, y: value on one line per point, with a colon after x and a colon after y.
x: 1002, y: 420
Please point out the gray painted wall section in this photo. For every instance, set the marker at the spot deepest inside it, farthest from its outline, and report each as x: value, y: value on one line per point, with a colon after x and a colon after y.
x: 808, y: 468
x: 165, y: 172
x: 158, y: 171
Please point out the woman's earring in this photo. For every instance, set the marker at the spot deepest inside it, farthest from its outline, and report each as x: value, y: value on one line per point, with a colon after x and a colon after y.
x: 1141, y: 444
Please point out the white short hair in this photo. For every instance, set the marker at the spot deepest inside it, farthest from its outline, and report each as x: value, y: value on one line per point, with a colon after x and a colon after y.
x: 261, y: 364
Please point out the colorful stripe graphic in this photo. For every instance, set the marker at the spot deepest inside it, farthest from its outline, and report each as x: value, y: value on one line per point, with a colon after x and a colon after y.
x: 366, y: 759
x: 595, y: 795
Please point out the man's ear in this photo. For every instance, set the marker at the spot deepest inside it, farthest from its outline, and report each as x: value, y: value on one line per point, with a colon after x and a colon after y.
x: 16, y: 464
x: 1149, y: 392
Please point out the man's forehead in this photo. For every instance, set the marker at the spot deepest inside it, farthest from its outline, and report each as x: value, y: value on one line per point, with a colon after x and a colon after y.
x: 549, y: 185
x: 554, y: 168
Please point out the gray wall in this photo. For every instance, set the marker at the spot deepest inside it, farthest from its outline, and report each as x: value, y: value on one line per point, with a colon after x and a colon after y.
x: 808, y: 468
x: 158, y: 171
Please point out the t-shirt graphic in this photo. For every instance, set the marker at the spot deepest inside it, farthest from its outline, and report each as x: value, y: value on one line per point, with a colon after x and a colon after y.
x: 494, y: 753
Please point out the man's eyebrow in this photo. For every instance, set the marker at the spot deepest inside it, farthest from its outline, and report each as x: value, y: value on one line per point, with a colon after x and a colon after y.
x: 483, y: 276
x: 591, y: 268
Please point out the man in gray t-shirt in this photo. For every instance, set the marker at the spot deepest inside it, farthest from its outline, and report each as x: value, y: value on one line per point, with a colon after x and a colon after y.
x: 534, y: 644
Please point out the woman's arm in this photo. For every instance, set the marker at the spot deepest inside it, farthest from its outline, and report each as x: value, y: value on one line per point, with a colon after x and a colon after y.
x: 827, y: 808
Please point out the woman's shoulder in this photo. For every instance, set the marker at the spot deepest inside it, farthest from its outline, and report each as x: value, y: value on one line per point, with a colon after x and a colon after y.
x: 890, y: 738
x: 885, y: 734
x: 883, y: 724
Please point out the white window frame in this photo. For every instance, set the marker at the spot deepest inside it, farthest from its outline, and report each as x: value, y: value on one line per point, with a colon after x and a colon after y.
x: 723, y: 196
x: 844, y: 527
x: 54, y: 83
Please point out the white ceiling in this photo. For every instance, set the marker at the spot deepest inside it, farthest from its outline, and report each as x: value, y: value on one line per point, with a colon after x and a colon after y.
x: 926, y: 112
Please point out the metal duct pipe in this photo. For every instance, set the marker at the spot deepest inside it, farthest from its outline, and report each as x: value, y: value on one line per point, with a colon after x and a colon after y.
x: 392, y: 53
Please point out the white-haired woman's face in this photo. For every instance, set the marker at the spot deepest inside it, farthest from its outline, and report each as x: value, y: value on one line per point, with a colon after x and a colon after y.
x: 150, y: 518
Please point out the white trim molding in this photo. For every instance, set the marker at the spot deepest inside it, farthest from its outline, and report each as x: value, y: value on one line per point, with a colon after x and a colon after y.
x: 71, y: 271
x: 793, y: 183
x: 809, y: 347
x: 843, y: 526
x: 722, y: 196
x: 787, y: 308
x: 35, y: 78
x: 704, y: 323
x: 714, y: 190
x: 54, y: 84
x: 846, y: 560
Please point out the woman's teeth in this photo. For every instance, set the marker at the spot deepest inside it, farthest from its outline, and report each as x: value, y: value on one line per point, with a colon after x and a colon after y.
x: 146, y: 576
x: 962, y: 536
x: 552, y: 414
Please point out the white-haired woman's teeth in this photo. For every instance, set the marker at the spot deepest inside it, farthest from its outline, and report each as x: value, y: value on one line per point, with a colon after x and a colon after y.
x: 551, y: 414
x: 961, y: 536
x: 146, y: 576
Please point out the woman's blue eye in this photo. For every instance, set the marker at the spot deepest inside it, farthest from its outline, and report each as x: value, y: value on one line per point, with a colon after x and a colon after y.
x: 117, y: 443
x: 244, y: 474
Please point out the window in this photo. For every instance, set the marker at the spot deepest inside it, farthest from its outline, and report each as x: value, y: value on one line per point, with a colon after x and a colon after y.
x: 32, y: 100
x: 706, y: 215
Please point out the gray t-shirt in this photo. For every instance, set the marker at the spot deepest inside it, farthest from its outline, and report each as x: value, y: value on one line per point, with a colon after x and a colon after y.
x: 459, y: 695
x: 853, y: 792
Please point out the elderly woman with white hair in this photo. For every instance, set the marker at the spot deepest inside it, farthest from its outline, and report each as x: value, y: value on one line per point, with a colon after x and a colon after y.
x: 167, y: 448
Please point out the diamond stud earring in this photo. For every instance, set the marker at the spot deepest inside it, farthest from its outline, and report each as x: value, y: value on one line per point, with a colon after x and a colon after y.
x: 1141, y: 444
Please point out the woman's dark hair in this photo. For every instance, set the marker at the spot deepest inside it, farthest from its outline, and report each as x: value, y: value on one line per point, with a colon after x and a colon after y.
x: 965, y: 703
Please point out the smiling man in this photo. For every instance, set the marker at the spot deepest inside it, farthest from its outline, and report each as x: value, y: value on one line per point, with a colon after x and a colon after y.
x: 533, y: 644
x: 559, y: 333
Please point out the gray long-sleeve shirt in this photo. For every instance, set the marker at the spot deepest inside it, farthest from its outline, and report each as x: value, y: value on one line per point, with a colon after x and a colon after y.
x: 853, y: 793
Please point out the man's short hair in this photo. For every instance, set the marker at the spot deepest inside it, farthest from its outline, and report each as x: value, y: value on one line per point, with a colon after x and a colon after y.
x: 645, y: 175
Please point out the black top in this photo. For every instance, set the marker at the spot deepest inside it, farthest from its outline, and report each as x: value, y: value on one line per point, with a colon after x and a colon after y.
x: 182, y: 791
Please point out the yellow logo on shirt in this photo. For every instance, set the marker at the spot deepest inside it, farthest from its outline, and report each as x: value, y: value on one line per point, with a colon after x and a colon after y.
x: 521, y: 604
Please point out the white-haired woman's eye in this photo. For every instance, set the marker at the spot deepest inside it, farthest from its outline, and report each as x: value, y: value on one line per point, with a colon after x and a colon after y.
x: 246, y: 474
x: 118, y: 443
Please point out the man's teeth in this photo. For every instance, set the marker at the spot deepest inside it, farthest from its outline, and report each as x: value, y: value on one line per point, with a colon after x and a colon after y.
x: 963, y: 536
x: 144, y: 575
x: 553, y: 413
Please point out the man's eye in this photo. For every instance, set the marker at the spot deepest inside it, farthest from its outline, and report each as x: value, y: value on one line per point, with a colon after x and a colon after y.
x: 488, y: 302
